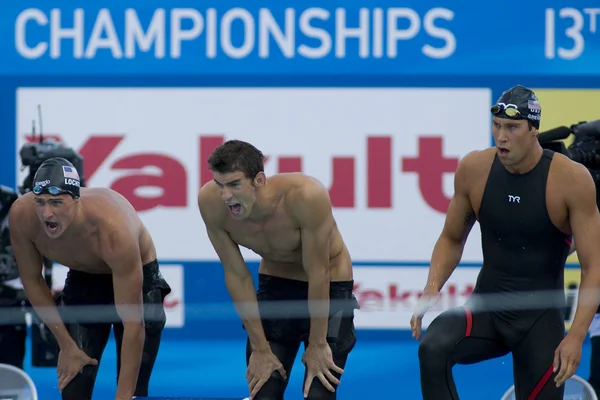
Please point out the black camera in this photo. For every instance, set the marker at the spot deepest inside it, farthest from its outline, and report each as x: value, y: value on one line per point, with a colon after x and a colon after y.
x: 34, y: 154
x: 584, y: 150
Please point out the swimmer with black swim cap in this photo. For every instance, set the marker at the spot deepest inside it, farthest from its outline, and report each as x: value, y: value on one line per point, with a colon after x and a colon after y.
x: 111, y: 257
x: 518, y: 103
x: 529, y: 203
x: 56, y: 184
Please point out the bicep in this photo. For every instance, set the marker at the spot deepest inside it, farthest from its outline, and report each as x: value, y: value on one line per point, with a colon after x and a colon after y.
x: 584, y: 219
x: 122, y: 254
x: 228, y: 252
x: 316, y: 241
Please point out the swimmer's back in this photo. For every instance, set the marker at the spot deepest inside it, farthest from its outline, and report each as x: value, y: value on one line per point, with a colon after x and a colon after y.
x: 277, y: 237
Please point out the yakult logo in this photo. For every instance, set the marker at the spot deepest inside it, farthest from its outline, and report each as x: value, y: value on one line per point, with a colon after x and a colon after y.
x: 396, y: 297
x: 429, y: 165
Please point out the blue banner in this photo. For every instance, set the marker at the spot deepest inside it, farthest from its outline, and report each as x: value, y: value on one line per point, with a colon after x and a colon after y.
x: 556, y: 37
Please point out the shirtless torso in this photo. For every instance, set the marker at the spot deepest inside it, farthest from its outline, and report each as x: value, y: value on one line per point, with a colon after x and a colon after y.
x: 103, y: 213
x: 275, y: 235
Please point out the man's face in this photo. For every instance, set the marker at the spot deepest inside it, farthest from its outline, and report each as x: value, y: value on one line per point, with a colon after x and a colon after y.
x: 55, y: 213
x: 238, y: 192
x: 514, y: 139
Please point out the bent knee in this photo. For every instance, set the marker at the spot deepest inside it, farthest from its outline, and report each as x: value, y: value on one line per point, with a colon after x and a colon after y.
x: 273, y: 389
x: 434, y: 347
x: 321, y: 393
x: 268, y: 396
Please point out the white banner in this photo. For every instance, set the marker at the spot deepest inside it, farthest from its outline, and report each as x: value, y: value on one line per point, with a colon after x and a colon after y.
x: 387, y: 154
x: 388, y: 295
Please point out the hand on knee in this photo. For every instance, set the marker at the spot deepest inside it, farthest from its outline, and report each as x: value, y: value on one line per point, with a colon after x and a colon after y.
x: 273, y: 389
x: 319, y: 392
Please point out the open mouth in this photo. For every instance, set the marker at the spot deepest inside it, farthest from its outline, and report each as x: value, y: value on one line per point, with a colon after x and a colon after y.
x: 502, y: 151
x: 52, y: 227
x: 235, y: 208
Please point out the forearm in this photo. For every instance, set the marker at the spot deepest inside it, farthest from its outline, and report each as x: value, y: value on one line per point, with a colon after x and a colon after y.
x: 40, y: 297
x: 131, y: 358
x: 446, y: 256
x: 241, y: 290
x: 318, y: 307
x: 587, y: 302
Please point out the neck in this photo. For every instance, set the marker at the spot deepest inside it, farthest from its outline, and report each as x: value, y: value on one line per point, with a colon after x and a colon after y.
x: 264, y: 204
x: 77, y: 224
x: 528, y: 162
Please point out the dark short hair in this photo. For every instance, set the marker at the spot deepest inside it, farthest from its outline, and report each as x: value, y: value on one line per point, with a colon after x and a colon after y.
x: 237, y: 155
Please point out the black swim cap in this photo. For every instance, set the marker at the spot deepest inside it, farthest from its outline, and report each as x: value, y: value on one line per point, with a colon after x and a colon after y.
x: 56, y: 176
x: 519, y: 102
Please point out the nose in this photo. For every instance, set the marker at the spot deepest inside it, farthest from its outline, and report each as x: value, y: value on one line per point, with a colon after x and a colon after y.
x: 47, y: 212
x: 226, y: 194
x: 502, y: 136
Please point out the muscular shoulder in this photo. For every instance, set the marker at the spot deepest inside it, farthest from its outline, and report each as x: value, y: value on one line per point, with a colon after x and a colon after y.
x: 572, y: 177
x: 565, y: 168
x: 211, y: 206
x: 473, y: 166
x: 109, y: 210
x: 22, y: 216
x: 305, y: 195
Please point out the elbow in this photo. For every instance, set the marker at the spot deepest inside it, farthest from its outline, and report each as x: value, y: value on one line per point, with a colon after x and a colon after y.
x: 32, y: 284
x: 135, y: 330
x: 237, y: 277
x: 318, y: 276
x: 451, y: 241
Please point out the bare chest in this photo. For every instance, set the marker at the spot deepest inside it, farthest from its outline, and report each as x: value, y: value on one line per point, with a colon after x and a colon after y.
x: 276, y: 239
x: 80, y: 254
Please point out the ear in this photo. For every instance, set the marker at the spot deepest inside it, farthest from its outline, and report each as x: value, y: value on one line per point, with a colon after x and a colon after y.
x: 260, y: 179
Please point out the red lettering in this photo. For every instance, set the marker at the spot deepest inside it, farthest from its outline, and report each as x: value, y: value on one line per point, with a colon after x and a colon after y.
x: 379, y: 172
x: 468, y: 291
x: 430, y: 166
x: 289, y: 164
x: 369, y: 300
x: 172, y: 181
x: 451, y: 295
x: 341, y: 191
x: 170, y: 303
x: 95, y: 151
x: 397, y: 296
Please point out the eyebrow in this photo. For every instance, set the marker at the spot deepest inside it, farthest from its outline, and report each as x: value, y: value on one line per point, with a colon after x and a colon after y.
x: 227, y: 183
x: 39, y: 199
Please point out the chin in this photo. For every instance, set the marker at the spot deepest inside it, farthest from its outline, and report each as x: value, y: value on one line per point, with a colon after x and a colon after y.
x: 241, y: 216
